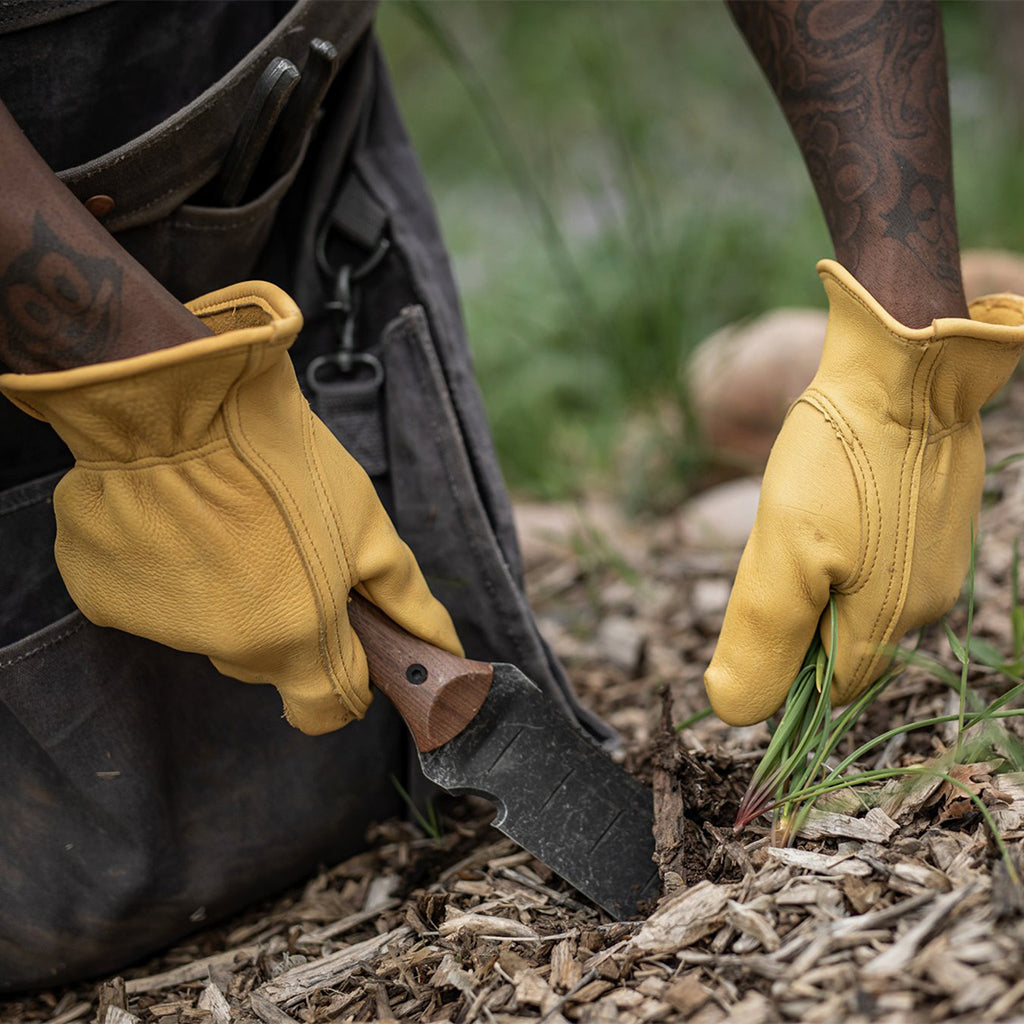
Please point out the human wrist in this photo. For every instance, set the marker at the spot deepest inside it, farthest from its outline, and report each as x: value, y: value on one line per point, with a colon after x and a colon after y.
x: 97, y: 411
x: 909, y: 291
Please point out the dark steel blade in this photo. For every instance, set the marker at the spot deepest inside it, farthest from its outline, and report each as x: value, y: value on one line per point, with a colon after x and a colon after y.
x: 558, y: 794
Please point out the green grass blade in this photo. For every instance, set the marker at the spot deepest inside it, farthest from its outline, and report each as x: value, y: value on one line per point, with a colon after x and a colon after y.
x: 431, y: 824
x: 691, y: 720
x: 1003, y: 463
x: 965, y: 661
x: 954, y: 642
x: 1016, y: 612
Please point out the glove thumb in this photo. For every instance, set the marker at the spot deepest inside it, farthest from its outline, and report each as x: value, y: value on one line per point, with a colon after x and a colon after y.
x: 773, y: 614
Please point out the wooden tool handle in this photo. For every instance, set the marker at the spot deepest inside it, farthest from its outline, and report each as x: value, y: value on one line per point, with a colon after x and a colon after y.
x: 437, y: 693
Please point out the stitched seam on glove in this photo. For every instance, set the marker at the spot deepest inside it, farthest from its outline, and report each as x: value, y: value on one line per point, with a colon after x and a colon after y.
x: 867, y: 487
x: 910, y: 343
x: 329, y: 514
x: 1001, y: 300
x: 291, y: 515
x: 200, y: 309
x: 909, y: 491
x: 267, y: 479
x: 939, y: 435
x: 56, y: 382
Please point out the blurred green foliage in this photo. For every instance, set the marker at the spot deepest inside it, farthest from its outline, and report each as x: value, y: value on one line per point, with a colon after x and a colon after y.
x: 615, y: 182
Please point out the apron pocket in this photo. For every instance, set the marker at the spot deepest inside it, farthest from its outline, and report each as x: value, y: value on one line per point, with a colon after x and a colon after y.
x: 197, y: 249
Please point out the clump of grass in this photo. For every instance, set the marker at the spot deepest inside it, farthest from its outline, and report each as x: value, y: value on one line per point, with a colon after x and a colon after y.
x: 795, y: 771
x: 806, y: 735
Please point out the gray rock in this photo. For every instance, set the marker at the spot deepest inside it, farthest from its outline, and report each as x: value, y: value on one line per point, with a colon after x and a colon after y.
x: 620, y: 642
x: 721, y: 517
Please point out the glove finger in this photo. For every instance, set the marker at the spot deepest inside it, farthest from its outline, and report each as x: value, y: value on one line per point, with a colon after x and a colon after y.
x: 383, y: 566
x: 773, y: 612
x: 398, y: 588
x: 312, y: 704
x: 860, y: 659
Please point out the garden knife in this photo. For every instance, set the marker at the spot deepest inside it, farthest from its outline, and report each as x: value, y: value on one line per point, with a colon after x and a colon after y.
x: 486, y: 729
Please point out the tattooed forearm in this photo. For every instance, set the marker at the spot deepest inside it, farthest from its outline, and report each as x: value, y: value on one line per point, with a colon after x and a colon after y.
x: 863, y: 85
x: 53, y: 298
x: 69, y: 294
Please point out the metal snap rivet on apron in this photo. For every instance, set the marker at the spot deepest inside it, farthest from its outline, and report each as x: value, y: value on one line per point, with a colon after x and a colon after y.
x: 99, y: 206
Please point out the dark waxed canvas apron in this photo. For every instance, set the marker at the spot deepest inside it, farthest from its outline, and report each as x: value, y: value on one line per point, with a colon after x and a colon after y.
x: 143, y: 792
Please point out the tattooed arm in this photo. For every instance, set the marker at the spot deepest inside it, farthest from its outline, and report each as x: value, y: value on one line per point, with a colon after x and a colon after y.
x: 863, y: 86
x: 69, y: 294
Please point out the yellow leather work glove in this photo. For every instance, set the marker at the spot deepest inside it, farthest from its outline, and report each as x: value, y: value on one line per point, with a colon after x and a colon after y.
x: 869, y: 493
x: 211, y: 511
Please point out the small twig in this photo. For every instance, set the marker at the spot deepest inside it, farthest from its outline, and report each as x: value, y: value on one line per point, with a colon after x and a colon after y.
x: 560, y: 899
x: 267, y: 1011
x: 582, y: 983
x: 302, y: 980
x: 345, y: 924
x: 901, y: 951
x: 196, y: 970
x: 524, y: 938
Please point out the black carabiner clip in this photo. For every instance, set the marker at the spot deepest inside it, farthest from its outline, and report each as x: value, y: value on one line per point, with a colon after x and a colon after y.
x: 346, y: 368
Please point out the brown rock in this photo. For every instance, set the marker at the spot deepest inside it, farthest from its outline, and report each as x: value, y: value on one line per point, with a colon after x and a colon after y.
x: 745, y: 376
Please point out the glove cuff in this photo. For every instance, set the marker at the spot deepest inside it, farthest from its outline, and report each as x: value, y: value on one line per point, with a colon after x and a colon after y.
x: 166, y: 402
x: 945, y: 371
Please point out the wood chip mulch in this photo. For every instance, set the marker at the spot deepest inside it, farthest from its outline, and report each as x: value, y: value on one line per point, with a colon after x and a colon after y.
x: 893, y: 909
